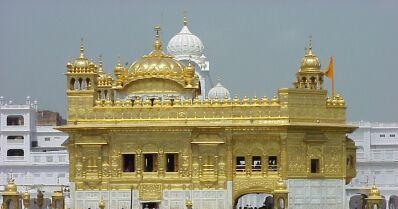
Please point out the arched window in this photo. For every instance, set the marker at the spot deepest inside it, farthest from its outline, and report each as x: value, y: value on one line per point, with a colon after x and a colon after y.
x: 88, y: 83
x: 313, y: 79
x: 15, y: 152
x: 15, y: 139
x: 15, y: 120
x: 72, y: 84
x: 80, y: 83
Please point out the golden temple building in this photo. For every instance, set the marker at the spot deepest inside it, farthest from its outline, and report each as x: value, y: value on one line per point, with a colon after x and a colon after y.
x: 147, y: 137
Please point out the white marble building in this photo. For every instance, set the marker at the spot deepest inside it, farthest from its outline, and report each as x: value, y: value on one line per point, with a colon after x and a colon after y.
x: 32, y: 155
x: 186, y: 46
x: 377, y: 158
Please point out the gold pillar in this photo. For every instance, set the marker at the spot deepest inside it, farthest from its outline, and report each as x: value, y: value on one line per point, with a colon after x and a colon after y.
x: 11, y: 197
x: 281, y: 195
x: 188, y: 203
x: 374, y: 199
x: 58, y: 200
x: 101, y: 204
x: 26, y: 199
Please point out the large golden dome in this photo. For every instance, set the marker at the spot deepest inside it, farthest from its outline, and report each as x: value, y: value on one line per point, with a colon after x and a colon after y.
x: 156, y: 62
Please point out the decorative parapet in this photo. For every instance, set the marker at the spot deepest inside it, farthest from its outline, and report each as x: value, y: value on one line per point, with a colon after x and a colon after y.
x: 169, y: 110
x: 335, y: 101
x: 148, y: 103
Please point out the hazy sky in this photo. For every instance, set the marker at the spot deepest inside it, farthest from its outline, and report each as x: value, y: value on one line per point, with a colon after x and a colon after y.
x: 254, y: 46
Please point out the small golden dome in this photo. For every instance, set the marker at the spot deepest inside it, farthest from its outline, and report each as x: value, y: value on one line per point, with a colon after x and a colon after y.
x: 310, y: 61
x: 101, y: 204
x: 374, y: 192
x: 26, y: 195
x: 156, y: 61
x: 281, y: 185
x: 11, y: 186
x: 118, y: 68
x: 81, y: 61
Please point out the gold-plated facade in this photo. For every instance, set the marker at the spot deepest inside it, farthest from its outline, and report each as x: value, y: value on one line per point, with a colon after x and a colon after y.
x: 253, y: 143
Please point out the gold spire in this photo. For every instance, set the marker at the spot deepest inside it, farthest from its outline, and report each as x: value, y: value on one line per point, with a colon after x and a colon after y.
x: 158, y: 43
x: 100, y: 64
x: 100, y: 61
x: 309, y: 49
x: 81, y: 48
x: 185, y: 22
x: 119, y: 62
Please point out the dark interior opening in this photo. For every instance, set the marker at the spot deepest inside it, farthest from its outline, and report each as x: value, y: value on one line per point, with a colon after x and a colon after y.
x: 128, y: 163
x: 272, y: 163
x: 256, y: 163
x: 172, y: 162
x: 150, y: 162
x: 15, y: 152
x: 240, y: 163
x: 314, y: 165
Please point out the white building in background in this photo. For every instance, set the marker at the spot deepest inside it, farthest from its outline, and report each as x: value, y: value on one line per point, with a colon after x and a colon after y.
x: 186, y: 46
x: 377, y: 158
x: 32, y: 155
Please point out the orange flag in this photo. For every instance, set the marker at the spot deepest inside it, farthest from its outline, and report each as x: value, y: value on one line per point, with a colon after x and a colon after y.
x: 330, y: 73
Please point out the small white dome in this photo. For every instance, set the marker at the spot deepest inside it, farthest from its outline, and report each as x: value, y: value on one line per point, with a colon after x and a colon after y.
x: 185, y: 43
x: 218, y: 91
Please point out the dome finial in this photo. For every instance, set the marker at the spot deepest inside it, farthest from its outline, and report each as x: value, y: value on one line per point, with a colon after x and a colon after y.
x: 100, y: 64
x: 81, y: 48
x: 158, y: 44
x: 309, y: 48
x: 100, y: 61
x: 119, y: 61
x: 185, y: 22
x: 218, y: 80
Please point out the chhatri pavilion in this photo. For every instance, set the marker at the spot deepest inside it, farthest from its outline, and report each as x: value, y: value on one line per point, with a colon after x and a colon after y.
x: 158, y: 134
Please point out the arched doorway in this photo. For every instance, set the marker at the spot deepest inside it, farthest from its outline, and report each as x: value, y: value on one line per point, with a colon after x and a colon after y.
x: 393, y: 202
x: 255, y: 201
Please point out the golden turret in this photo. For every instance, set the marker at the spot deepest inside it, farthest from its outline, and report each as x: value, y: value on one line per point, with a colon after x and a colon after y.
x: 81, y: 62
x: 11, y: 187
x: 26, y: 199
x: 189, y: 74
x: 374, y: 191
x: 11, y: 194
x: 374, y: 199
x: 119, y: 72
x: 310, y: 61
x: 309, y: 75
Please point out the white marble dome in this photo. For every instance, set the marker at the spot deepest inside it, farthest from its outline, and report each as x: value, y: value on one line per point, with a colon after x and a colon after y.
x: 219, y: 92
x: 185, y: 43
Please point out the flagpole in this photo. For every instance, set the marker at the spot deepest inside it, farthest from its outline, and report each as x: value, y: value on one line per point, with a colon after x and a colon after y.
x: 332, y: 85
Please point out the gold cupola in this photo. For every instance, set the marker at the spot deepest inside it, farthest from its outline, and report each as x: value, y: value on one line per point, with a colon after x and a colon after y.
x: 81, y: 62
x: 119, y: 72
x: 159, y: 74
x: 374, y: 198
x: 309, y: 75
x: 11, y: 187
x: 310, y: 61
x: 156, y: 62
